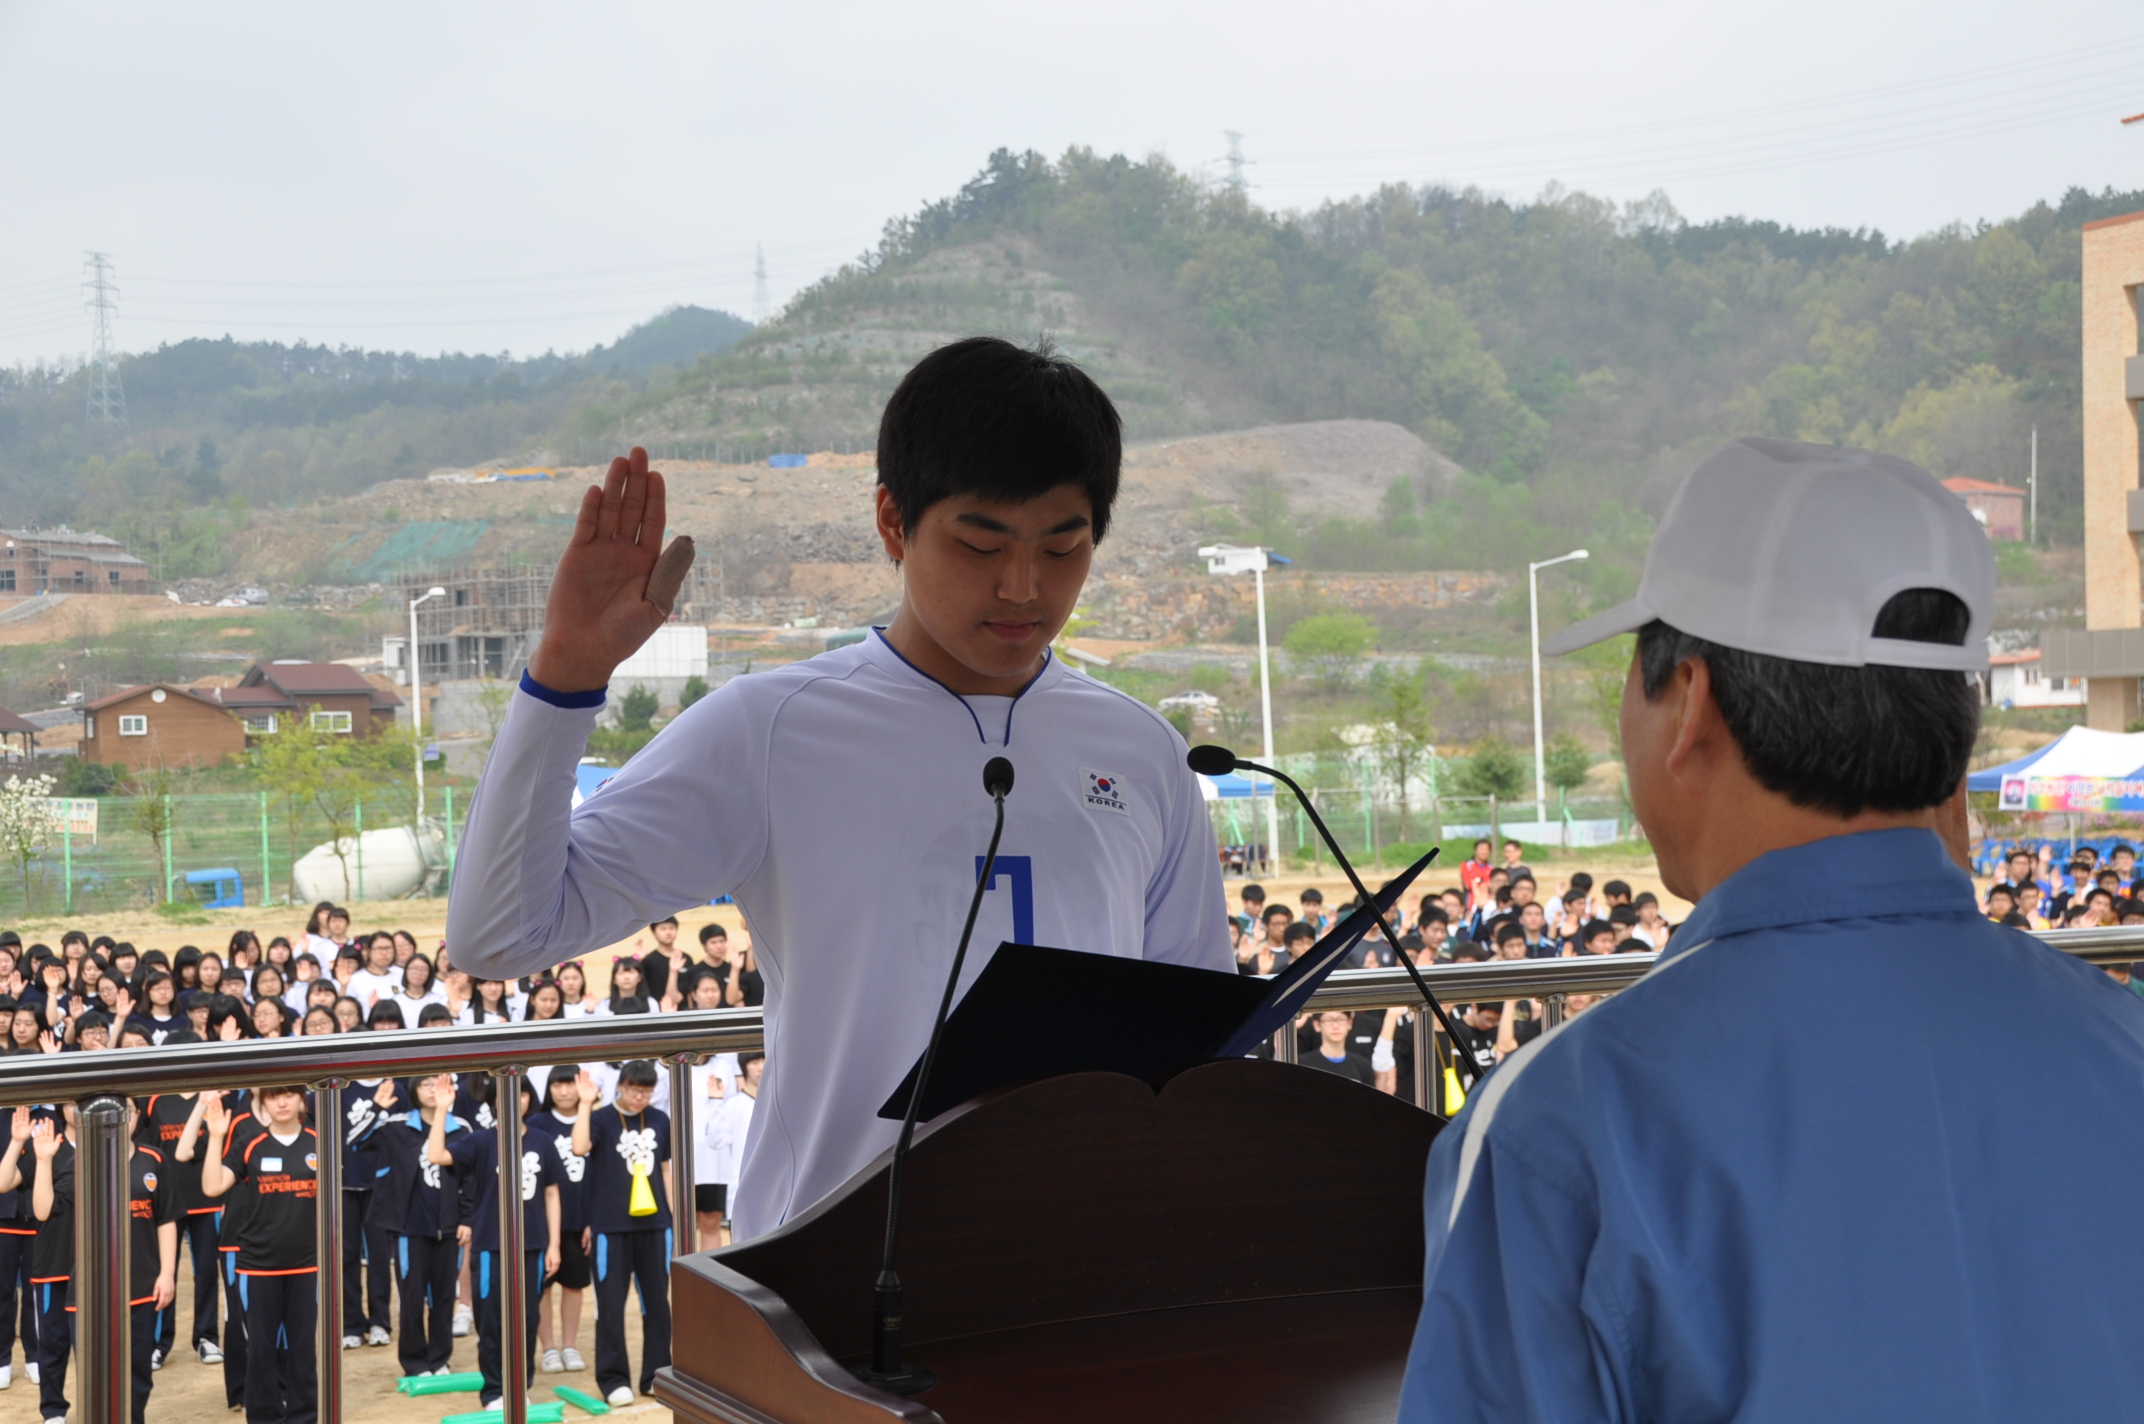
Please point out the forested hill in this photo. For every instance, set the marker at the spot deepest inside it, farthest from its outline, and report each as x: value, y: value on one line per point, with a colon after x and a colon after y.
x: 1574, y: 356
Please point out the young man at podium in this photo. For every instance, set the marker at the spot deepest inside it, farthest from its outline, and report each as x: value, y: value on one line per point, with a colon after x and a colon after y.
x: 857, y: 775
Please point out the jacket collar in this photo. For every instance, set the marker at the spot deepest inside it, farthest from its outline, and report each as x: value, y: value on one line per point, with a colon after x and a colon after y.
x: 883, y: 654
x: 1867, y: 875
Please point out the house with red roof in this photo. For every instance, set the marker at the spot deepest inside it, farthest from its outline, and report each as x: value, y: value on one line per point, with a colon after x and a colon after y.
x: 1999, y: 508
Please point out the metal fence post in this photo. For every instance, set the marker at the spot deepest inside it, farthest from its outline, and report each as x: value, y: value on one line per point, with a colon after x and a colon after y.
x: 66, y: 857
x: 513, y: 1284
x: 100, y: 1254
x: 450, y: 834
x: 684, y: 1236
x: 1284, y: 1043
x: 1554, y: 1015
x: 169, y: 828
x: 358, y: 808
x: 327, y: 1247
x: 1425, y: 1061
x: 267, y: 881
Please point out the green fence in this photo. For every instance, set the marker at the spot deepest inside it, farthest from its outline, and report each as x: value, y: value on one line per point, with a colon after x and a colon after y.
x: 132, y: 853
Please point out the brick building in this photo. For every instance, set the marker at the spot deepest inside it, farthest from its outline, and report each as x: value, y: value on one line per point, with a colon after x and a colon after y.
x: 1999, y: 508
x: 64, y: 560
x: 160, y: 724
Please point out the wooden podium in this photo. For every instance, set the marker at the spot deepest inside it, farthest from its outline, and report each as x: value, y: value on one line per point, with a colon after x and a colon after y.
x: 1244, y: 1246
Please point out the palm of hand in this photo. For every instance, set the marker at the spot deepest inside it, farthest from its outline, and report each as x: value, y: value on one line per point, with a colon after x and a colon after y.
x: 615, y: 583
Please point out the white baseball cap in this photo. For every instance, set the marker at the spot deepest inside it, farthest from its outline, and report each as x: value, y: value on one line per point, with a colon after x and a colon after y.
x: 1791, y: 550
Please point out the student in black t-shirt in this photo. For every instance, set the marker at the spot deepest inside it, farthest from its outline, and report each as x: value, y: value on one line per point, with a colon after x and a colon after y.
x: 626, y: 1145
x: 1334, y: 1054
x: 420, y: 1203
x: 17, y: 1233
x: 275, y: 1175
x: 1477, y: 1032
x: 49, y: 1183
x: 657, y: 964
x: 474, y: 1156
x: 160, y: 1123
x: 152, y: 1261
x: 193, y: 1147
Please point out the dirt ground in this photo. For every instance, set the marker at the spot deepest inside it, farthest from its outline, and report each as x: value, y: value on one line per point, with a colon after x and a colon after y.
x: 187, y: 1390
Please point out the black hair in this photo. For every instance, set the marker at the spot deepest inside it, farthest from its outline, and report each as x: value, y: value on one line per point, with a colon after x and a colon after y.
x: 94, y: 1018
x: 2002, y: 887
x: 1469, y: 951
x: 1274, y: 908
x: 2016, y: 921
x: 1622, y: 915
x: 712, y: 931
x: 1841, y: 739
x: 637, y: 1073
x: 1434, y: 914
x: 1645, y: 897
x: 1509, y: 930
x: 1581, y: 882
x: 1617, y: 887
x: 1312, y: 896
x: 388, y: 1014
x: 434, y: 1013
x: 1299, y: 931
x: 2119, y: 847
x: 1594, y: 929
x: 755, y: 1056
x: 1252, y: 892
x: 985, y: 417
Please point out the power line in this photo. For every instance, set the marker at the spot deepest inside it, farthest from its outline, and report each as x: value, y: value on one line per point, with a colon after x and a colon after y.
x: 760, y: 302
x: 1236, y: 160
x: 107, y: 397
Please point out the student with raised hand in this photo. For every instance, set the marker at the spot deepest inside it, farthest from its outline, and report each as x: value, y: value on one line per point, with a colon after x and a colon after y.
x: 49, y: 1180
x: 153, y: 1259
x: 998, y: 468
x: 419, y: 1203
x: 728, y: 1130
x: 474, y: 1158
x: 162, y: 1123
x: 18, y: 1234
x: 274, y: 1173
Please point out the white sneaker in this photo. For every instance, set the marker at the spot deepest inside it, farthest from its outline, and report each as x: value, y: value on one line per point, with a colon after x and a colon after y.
x: 623, y: 1394
x: 7, y: 1374
x: 492, y: 1403
x: 571, y: 1356
x: 156, y: 1361
x: 30, y: 1370
x: 464, y: 1321
x: 377, y: 1335
x: 352, y: 1342
x: 209, y: 1351
x: 550, y: 1365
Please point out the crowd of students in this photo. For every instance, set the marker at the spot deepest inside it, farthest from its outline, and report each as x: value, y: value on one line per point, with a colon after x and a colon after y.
x: 1495, y: 912
x: 229, y: 1179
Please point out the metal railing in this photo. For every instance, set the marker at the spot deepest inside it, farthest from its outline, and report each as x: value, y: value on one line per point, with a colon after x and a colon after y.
x: 101, y: 1082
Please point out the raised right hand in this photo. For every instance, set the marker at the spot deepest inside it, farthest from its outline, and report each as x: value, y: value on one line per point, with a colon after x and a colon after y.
x: 612, y: 590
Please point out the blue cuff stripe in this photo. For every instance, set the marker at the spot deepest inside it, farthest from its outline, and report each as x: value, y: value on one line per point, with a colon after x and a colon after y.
x: 570, y: 700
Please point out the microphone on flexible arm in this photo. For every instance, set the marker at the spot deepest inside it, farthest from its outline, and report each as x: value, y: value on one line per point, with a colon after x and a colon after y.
x: 1210, y: 760
x: 887, y: 1370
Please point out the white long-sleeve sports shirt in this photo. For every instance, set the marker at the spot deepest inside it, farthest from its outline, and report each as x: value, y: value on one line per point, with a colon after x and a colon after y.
x: 840, y: 800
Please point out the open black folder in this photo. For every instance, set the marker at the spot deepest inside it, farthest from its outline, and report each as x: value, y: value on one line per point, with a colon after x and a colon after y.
x: 1036, y: 1012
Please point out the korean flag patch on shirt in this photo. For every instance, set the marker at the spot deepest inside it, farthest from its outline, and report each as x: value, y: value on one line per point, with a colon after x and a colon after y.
x: 1103, y: 791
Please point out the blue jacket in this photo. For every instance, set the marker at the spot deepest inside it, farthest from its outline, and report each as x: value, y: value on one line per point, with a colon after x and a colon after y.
x: 1851, y: 1152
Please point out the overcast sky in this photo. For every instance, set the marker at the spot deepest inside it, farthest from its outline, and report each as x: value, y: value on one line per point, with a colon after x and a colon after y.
x: 486, y: 177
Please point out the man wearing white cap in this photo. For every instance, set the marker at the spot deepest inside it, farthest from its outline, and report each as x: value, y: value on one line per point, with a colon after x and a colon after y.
x: 1848, y: 1152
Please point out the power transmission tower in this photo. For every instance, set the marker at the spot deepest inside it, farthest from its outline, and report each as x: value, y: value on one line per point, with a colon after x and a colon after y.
x: 762, y: 306
x: 107, y: 398
x: 1236, y: 160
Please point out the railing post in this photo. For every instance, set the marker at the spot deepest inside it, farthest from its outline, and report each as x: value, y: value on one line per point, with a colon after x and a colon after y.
x: 329, y: 1128
x: 100, y: 1253
x: 513, y: 1247
x: 358, y: 810
x: 66, y: 858
x: 1555, y: 1010
x: 1284, y: 1043
x: 1425, y: 1062
x: 267, y: 884
x: 685, y: 1224
x: 169, y: 829
x: 450, y: 835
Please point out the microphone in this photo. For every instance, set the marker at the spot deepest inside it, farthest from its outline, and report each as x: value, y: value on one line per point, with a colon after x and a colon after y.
x: 887, y: 1370
x: 1210, y: 760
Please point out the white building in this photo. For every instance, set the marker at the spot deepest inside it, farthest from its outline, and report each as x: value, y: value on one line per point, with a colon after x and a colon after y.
x: 2016, y: 680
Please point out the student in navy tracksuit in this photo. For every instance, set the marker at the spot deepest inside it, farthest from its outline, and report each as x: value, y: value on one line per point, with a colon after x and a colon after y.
x: 243, y: 1127
x: 622, y: 1141
x: 419, y: 1202
x: 275, y: 1175
x: 553, y: 1127
x: 474, y: 1156
x: 367, y: 1249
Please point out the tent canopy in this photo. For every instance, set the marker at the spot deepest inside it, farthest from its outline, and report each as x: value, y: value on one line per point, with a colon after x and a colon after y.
x: 1233, y: 786
x: 2114, y: 756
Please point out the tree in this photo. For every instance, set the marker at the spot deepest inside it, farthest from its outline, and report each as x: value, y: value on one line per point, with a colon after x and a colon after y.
x: 492, y: 700
x: 695, y: 689
x: 636, y: 712
x: 1492, y: 768
x: 151, y: 812
x: 1331, y: 645
x: 29, y: 822
x: 1565, y: 763
x: 1402, y: 736
x: 291, y: 762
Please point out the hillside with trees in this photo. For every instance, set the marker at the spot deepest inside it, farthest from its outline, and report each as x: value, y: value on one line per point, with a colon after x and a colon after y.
x: 1570, y: 356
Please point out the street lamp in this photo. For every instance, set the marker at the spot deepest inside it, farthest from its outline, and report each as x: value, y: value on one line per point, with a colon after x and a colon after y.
x: 1222, y: 559
x: 416, y: 690
x: 1533, y: 606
